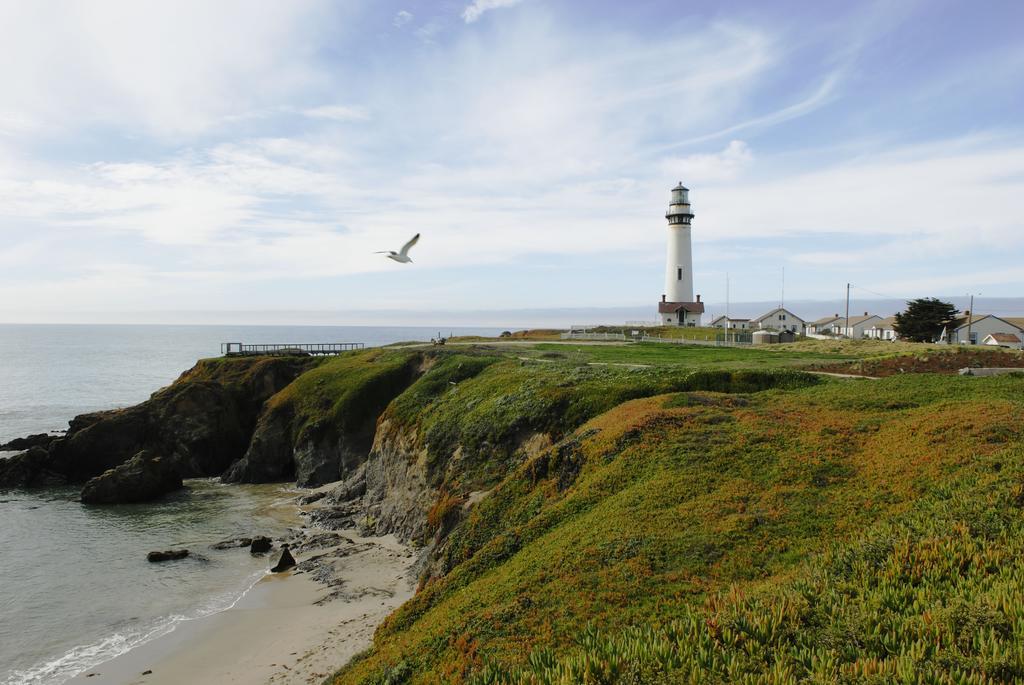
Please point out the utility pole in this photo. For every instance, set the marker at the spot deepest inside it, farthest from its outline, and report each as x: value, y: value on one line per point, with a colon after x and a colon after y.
x: 848, y: 311
x: 727, y: 321
x: 782, y: 296
x: 970, y: 318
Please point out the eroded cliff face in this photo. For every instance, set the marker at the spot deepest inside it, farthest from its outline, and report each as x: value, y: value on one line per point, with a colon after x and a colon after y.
x: 398, y: 488
x: 322, y: 427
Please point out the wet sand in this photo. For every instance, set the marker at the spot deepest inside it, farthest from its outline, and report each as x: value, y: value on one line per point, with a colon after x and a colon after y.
x: 290, y: 628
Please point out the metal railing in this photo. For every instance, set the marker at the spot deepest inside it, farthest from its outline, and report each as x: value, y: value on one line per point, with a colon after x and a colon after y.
x: 579, y: 335
x: 717, y: 341
x: 720, y: 340
x: 234, y: 349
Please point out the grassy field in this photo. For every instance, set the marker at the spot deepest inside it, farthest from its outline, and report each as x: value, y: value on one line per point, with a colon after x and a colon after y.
x: 671, y: 354
x: 850, y: 531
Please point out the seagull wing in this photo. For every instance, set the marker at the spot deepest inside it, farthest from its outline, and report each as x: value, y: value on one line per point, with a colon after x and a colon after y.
x: 405, y: 248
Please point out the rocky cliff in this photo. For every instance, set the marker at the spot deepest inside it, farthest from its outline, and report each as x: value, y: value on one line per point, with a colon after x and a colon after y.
x: 200, y: 424
x: 321, y: 427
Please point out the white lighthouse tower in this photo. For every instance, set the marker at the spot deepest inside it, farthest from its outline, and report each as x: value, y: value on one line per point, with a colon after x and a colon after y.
x: 677, y: 306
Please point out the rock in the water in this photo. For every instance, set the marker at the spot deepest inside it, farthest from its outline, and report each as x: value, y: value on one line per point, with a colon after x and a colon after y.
x: 260, y: 544
x: 231, y: 544
x: 28, y: 442
x: 167, y: 555
x: 286, y: 561
x: 142, y: 478
x: 29, y: 469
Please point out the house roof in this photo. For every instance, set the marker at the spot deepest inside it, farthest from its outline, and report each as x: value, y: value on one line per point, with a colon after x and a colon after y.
x: 775, y: 311
x: 673, y: 307
x: 857, y: 320
x: 1003, y: 337
x: 886, y: 323
x: 961, y: 321
x: 824, y: 321
x: 1017, y: 321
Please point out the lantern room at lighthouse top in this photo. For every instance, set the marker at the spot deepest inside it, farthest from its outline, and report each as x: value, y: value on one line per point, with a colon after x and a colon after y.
x: 679, y: 206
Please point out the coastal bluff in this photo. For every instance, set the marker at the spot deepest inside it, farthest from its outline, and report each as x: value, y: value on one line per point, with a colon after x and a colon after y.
x: 577, y: 510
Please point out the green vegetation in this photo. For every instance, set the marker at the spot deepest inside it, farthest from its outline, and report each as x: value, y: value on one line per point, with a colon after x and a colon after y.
x: 674, y: 354
x: 485, y: 408
x: 239, y: 373
x: 852, y: 532
x: 346, y: 391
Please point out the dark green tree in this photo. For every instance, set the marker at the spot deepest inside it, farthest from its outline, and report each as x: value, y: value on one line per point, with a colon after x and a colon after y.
x: 924, y: 319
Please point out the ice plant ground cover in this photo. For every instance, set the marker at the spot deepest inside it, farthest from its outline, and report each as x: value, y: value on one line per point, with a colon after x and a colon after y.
x: 818, y: 532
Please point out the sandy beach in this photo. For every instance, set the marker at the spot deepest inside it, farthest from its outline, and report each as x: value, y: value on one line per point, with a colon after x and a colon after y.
x: 290, y: 628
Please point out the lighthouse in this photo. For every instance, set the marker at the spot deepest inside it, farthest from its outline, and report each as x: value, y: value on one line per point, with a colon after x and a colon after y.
x: 677, y: 306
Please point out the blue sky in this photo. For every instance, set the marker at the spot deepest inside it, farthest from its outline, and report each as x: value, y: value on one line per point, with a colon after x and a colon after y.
x: 251, y: 156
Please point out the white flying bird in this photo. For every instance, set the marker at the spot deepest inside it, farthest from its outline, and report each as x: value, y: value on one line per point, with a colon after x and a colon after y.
x: 402, y: 256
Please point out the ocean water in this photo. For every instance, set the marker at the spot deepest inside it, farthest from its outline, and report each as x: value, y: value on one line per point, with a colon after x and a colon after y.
x: 75, y: 586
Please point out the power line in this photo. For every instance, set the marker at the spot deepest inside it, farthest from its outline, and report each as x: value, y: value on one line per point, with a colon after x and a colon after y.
x: 888, y: 297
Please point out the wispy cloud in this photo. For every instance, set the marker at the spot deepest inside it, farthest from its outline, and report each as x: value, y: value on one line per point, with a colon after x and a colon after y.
x: 475, y: 10
x: 726, y: 165
x: 402, y: 17
x: 337, y: 113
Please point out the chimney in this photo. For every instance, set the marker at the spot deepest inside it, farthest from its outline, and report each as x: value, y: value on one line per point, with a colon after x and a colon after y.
x: 698, y: 298
x: 866, y: 314
x: 662, y: 298
x: 837, y: 316
x: 967, y: 313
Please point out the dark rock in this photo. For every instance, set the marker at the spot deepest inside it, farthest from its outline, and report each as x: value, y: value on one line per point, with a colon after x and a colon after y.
x: 231, y: 544
x: 143, y: 478
x: 320, y: 540
x: 167, y: 555
x: 312, y: 497
x: 29, y: 469
x: 269, y: 455
x: 352, y: 488
x: 28, y: 442
x: 286, y: 562
x: 203, y: 422
x: 339, y: 517
x: 260, y: 544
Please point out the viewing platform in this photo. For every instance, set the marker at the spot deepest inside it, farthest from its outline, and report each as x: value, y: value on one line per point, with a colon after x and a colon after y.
x: 237, y: 349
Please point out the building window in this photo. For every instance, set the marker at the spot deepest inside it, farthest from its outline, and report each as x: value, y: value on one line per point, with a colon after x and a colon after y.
x: 679, y: 274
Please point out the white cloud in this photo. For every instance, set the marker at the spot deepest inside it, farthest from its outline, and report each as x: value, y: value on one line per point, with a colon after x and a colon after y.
x: 726, y: 165
x: 337, y: 113
x: 402, y: 18
x: 473, y: 11
x: 153, y: 67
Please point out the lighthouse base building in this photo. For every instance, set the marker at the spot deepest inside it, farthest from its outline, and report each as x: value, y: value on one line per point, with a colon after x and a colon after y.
x: 678, y: 306
x: 680, y: 313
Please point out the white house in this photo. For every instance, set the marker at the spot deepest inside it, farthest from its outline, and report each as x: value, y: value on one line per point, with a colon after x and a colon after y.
x: 857, y: 325
x: 971, y: 329
x: 824, y: 326
x: 882, y: 330
x: 724, y: 321
x: 779, y: 319
x: 1011, y: 340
